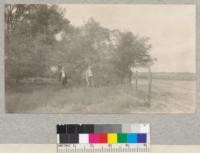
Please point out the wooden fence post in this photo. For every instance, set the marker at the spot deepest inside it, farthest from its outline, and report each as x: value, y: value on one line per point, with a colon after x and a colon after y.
x: 150, y: 83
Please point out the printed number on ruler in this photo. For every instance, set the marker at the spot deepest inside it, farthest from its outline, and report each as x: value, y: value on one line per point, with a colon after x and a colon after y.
x: 103, y: 138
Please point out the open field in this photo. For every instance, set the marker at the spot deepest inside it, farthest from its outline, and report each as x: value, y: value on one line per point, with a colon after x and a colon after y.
x: 168, y: 96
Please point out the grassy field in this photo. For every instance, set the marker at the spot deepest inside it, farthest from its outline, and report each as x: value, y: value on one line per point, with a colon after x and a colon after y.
x: 168, y: 96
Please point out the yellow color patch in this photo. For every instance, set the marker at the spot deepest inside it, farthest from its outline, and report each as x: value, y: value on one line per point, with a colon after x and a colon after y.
x: 112, y: 137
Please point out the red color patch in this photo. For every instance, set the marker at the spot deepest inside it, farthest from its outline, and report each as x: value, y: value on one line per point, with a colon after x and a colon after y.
x: 102, y: 138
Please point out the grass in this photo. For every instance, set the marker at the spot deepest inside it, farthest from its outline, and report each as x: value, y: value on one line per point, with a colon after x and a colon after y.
x: 168, y: 96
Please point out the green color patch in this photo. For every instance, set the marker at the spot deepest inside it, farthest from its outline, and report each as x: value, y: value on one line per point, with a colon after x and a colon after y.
x: 122, y: 138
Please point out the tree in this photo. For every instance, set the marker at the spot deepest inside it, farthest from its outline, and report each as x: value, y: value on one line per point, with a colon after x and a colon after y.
x: 83, y: 46
x: 131, y: 51
x: 29, y: 32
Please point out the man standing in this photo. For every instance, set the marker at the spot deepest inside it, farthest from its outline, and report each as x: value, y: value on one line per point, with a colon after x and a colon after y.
x: 62, y: 75
x: 89, y: 77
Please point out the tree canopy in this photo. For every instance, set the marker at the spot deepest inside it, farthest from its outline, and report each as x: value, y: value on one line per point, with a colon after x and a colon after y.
x: 31, y: 45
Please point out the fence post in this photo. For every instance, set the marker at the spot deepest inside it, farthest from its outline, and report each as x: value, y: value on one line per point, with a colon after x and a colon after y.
x: 150, y: 83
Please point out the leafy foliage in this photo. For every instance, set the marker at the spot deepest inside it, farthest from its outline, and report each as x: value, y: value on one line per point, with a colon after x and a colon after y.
x: 29, y: 38
x: 31, y: 46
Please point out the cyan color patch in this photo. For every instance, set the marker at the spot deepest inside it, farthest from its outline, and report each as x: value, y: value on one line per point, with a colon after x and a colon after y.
x: 132, y: 138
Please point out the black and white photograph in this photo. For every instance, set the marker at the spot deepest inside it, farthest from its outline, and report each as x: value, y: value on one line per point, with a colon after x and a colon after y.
x: 100, y: 58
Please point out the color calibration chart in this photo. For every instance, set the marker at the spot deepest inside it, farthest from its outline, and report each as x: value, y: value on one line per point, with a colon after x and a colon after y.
x: 103, y: 138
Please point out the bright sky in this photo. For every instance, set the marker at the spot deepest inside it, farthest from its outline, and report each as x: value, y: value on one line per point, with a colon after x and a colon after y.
x: 171, y: 29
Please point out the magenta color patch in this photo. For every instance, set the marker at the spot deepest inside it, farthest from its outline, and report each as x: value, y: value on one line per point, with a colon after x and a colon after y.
x: 93, y: 138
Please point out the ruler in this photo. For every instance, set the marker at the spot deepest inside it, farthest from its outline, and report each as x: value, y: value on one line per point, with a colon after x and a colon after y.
x: 103, y: 148
x: 87, y: 138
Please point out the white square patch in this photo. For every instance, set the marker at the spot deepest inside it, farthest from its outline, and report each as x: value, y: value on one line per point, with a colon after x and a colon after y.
x: 83, y: 138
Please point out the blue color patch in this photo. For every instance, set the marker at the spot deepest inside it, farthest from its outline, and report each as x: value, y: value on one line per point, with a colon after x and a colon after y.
x: 132, y: 138
x: 142, y: 138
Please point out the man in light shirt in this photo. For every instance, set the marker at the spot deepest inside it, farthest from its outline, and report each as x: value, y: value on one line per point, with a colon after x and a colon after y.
x: 89, y: 77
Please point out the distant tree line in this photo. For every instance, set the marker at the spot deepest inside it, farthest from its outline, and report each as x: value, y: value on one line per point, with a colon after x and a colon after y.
x: 32, y: 46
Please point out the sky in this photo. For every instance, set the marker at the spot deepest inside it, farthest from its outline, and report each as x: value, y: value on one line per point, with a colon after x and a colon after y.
x: 171, y: 29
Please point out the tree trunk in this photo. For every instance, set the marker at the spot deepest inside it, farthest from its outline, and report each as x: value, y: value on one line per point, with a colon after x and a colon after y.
x: 136, y: 80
